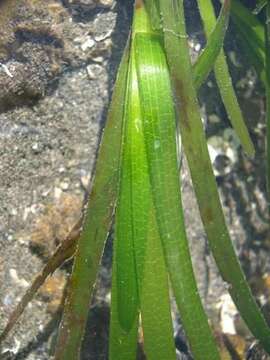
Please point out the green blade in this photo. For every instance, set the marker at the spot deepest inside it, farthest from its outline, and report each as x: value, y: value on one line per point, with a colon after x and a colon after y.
x: 155, y: 300
x: 97, y: 224
x: 150, y: 265
x: 136, y: 235
x: 208, y: 56
x: 124, y: 296
x: 159, y: 135
x: 252, y: 33
x: 150, y: 269
x: 224, y: 81
x: 203, y: 179
x: 122, y: 343
x: 153, y: 10
x: 267, y: 87
x: 127, y: 295
x: 246, y: 18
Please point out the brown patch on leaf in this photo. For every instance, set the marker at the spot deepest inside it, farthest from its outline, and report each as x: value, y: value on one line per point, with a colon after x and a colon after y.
x: 179, y: 88
x: 138, y: 4
x: 208, y: 215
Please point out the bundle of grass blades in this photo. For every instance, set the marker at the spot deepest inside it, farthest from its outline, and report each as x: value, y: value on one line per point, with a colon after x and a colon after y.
x: 150, y: 235
x: 150, y: 239
x: 204, y: 183
x: 137, y: 174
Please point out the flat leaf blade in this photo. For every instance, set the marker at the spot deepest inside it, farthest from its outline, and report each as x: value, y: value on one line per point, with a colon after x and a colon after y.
x: 123, y: 331
x: 252, y: 33
x: 155, y: 299
x: 159, y: 134
x: 224, y: 81
x: 127, y: 293
x: 267, y: 87
x: 203, y: 179
x: 151, y: 271
x: 208, y: 56
x: 97, y: 225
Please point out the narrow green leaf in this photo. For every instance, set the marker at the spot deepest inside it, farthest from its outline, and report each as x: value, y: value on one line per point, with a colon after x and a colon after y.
x: 130, y: 238
x: 253, y: 53
x: 155, y: 300
x: 259, y: 6
x: 224, y: 80
x: 122, y: 343
x: 124, y: 296
x: 153, y: 10
x: 245, y: 16
x: 267, y: 87
x: 97, y: 224
x: 203, y: 179
x: 159, y: 134
x: 141, y: 199
x: 252, y: 33
x: 151, y: 271
x: 127, y: 294
x: 137, y: 237
x: 208, y: 56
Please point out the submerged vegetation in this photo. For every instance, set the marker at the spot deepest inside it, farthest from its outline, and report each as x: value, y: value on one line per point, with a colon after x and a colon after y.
x: 137, y: 179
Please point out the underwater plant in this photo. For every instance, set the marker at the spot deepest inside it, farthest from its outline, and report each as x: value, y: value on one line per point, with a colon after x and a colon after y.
x: 137, y: 179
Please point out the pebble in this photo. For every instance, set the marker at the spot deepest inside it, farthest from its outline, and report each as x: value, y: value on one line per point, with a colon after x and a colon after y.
x: 12, y: 350
x: 90, y: 3
x: 98, y: 59
x: 62, y: 169
x: 57, y: 192
x: 104, y: 36
x: 106, y: 3
x: 13, y: 212
x: 35, y: 148
x: 85, y: 181
x: 87, y: 44
x: 93, y: 71
x: 14, y: 277
x: 8, y: 300
x: 64, y: 185
x: 10, y: 238
x: 228, y: 313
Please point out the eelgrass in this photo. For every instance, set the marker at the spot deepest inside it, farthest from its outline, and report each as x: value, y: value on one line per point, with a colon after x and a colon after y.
x: 159, y: 127
x: 124, y: 323
x: 256, y: 41
x: 267, y: 91
x: 224, y: 81
x: 137, y: 172
x: 203, y: 179
x: 139, y: 268
x: 149, y: 54
x: 97, y: 224
x: 201, y: 69
x: 251, y: 31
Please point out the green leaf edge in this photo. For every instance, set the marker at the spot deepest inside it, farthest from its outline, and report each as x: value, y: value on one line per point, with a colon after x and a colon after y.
x: 202, y: 174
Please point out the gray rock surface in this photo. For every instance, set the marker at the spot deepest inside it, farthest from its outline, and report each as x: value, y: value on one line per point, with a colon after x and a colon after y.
x: 56, y: 78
